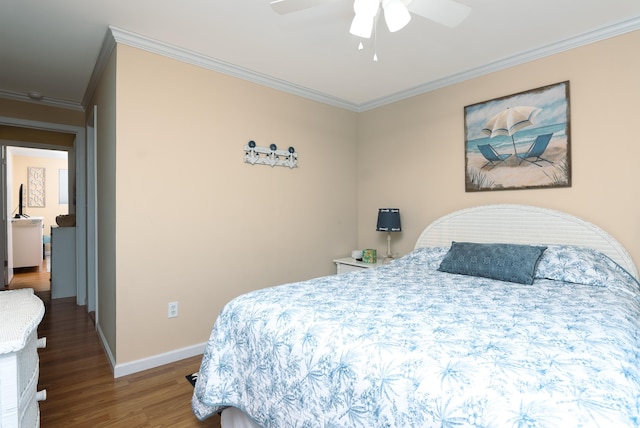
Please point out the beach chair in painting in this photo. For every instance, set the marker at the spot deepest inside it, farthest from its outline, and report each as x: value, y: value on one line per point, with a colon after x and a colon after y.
x: 536, y: 150
x: 491, y: 155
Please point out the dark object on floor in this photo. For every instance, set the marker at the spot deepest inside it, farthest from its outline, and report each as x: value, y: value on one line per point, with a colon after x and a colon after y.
x: 192, y: 378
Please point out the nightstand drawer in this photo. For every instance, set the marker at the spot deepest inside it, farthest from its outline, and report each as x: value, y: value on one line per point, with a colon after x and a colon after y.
x: 348, y: 264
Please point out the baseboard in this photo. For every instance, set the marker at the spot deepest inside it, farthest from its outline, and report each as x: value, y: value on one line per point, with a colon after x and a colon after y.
x: 124, y: 369
x: 105, y: 346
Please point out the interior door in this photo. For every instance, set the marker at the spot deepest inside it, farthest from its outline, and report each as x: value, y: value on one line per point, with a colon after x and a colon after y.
x: 4, y: 229
x: 92, y: 242
x: 6, y: 232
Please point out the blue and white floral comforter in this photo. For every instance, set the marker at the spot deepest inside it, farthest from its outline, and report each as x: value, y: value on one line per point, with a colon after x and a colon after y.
x: 405, y: 345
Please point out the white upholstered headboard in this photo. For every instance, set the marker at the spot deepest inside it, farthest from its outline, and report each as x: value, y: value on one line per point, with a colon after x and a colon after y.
x: 523, y: 224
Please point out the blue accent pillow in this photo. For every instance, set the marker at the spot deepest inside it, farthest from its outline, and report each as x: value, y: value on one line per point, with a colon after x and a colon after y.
x: 504, y: 262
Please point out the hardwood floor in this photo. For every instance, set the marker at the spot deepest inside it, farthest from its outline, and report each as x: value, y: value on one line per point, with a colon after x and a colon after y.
x: 37, y: 277
x: 81, y: 390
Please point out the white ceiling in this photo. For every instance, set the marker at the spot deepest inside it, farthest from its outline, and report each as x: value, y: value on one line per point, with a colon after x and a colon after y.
x: 52, y: 46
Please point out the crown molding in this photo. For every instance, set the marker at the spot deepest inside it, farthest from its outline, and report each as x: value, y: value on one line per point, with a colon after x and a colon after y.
x: 108, y: 45
x: 141, y: 42
x: 51, y: 102
x: 117, y: 35
x: 521, y: 58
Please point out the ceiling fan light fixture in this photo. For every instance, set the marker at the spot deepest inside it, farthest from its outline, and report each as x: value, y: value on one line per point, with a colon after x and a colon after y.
x: 366, y: 7
x: 363, y: 21
x: 362, y: 26
x: 396, y: 14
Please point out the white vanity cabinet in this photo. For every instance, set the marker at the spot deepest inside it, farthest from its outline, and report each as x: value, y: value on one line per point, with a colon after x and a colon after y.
x: 20, y: 313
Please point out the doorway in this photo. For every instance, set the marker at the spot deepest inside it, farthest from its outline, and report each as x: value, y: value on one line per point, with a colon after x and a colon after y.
x: 37, y: 191
x: 79, y: 169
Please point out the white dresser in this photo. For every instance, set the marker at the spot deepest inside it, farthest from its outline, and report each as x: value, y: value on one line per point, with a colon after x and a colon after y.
x: 20, y: 313
x: 27, y: 241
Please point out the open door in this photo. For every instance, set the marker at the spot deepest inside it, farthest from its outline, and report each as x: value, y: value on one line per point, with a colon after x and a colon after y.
x: 92, y: 227
x: 4, y: 228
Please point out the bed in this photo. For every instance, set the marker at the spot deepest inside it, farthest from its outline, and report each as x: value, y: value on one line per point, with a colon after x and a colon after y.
x: 441, y: 337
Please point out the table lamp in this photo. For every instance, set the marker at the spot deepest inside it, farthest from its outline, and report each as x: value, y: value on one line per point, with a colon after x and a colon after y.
x: 388, y: 221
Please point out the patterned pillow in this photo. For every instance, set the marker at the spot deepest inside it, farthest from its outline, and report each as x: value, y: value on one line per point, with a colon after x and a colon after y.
x: 578, y: 265
x: 427, y: 257
x: 505, y: 262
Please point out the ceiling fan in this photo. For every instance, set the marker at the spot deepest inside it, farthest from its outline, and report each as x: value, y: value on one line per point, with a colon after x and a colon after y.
x: 397, y: 13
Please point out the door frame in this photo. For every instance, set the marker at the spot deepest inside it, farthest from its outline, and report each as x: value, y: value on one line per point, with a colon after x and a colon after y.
x: 80, y: 164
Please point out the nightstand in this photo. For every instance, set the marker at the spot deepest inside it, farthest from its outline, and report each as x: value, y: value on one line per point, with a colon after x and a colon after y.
x: 348, y: 264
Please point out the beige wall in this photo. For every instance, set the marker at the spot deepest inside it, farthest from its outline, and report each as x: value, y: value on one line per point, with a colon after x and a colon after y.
x: 197, y: 225
x: 52, y: 208
x: 411, y: 153
x: 182, y: 218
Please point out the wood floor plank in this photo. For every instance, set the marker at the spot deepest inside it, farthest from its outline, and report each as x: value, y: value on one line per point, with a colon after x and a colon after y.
x: 81, y: 390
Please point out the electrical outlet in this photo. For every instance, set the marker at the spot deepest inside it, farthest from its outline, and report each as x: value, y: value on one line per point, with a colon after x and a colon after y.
x: 172, y: 309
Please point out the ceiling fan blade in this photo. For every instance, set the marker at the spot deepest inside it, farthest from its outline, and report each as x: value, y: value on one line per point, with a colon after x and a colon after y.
x: 445, y: 12
x: 287, y: 6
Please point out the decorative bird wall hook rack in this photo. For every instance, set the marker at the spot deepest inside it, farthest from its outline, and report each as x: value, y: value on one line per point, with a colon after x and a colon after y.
x: 270, y: 155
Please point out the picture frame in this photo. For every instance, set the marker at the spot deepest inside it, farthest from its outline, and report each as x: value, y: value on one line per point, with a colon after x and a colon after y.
x: 519, y: 141
x: 36, y: 189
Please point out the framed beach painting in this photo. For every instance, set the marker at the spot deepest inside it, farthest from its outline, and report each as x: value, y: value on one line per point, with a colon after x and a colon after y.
x: 520, y: 141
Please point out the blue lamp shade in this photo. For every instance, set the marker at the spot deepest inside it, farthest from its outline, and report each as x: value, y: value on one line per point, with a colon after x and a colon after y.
x: 388, y: 220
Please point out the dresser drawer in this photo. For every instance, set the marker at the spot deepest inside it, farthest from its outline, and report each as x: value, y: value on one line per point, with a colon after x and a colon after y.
x: 21, y: 312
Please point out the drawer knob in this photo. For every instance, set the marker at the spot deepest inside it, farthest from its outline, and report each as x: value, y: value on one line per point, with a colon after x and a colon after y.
x: 41, y: 395
x: 41, y: 343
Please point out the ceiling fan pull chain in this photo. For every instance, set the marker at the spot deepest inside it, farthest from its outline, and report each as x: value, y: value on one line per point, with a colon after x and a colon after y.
x: 375, y: 40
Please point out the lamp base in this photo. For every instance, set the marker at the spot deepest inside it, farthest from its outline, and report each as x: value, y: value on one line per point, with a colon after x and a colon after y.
x: 389, y: 254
